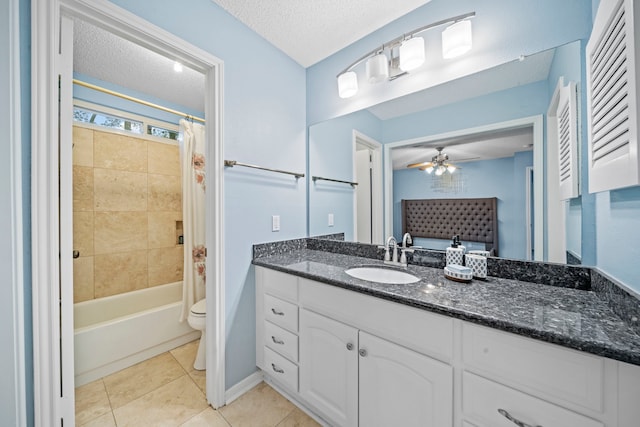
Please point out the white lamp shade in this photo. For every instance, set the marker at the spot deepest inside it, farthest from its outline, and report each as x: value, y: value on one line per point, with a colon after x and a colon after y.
x: 377, y: 68
x: 411, y: 53
x: 429, y: 169
x: 456, y: 39
x: 451, y: 168
x: 347, y: 84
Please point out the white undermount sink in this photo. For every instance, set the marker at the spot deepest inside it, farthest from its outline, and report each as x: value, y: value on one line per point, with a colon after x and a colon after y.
x: 382, y: 275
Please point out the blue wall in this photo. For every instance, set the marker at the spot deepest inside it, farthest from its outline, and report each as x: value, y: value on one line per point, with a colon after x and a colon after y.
x: 502, y: 178
x: 331, y: 156
x: 264, y: 124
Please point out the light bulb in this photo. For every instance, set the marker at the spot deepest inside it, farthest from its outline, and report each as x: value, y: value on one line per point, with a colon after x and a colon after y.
x: 411, y: 53
x: 429, y: 169
x: 378, y: 68
x: 456, y: 39
x: 347, y: 84
x: 451, y: 168
x: 440, y: 170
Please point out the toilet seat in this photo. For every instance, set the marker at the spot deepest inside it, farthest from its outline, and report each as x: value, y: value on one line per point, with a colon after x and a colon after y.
x: 199, y: 308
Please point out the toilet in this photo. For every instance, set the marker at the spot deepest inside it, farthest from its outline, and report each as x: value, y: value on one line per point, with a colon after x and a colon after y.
x: 197, y: 320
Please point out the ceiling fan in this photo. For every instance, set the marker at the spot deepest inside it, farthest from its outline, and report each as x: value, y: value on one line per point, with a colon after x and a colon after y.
x: 439, y: 163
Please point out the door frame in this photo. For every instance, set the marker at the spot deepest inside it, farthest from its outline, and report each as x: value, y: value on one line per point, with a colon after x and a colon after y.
x: 359, y: 138
x: 53, y: 384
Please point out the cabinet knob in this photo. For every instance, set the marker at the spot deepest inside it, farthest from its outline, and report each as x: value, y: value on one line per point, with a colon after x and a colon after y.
x: 277, y: 312
x: 515, y: 420
x: 362, y: 352
x: 76, y: 254
x: 276, y: 341
x: 349, y: 346
x: 275, y: 368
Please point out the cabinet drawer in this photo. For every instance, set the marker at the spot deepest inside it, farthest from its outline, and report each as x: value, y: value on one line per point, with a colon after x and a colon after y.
x: 281, y: 341
x: 280, y: 284
x: 549, y: 371
x: 481, y: 400
x: 280, y: 312
x: 417, y: 329
x: 280, y: 369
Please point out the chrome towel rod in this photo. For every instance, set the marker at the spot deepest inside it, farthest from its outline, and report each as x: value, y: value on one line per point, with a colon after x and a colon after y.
x: 232, y: 163
x: 315, y: 178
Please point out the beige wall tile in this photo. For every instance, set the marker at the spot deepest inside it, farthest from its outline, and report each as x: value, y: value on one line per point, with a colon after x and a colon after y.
x: 165, y: 265
x: 113, y: 151
x: 164, y: 159
x: 162, y: 229
x: 116, y: 190
x: 117, y: 232
x: 82, y: 188
x: 83, y: 289
x: 165, y: 193
x: 82, y: 146
x: 83, y: 233
x: 120, y: 273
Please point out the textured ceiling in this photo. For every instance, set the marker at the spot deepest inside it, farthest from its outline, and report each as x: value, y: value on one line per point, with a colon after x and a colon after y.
x: 311, y: 30
x: 105, y: 56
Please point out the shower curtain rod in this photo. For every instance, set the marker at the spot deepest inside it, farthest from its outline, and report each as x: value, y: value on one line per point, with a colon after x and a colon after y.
x: 139, y: 101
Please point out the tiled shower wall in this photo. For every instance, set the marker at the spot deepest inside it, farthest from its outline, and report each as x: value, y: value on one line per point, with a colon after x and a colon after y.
x: 127, y: 213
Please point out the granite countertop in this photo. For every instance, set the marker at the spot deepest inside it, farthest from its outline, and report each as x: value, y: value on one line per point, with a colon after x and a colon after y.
x: 572, y: 318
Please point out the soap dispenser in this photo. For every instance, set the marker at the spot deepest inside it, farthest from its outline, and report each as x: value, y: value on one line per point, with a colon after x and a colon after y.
x: 455, y: 254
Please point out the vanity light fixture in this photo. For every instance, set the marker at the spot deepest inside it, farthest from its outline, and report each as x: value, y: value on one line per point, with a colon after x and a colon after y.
x: 405, y: 53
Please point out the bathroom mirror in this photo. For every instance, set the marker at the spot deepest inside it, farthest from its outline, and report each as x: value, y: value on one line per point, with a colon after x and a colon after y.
x: 491, y: 125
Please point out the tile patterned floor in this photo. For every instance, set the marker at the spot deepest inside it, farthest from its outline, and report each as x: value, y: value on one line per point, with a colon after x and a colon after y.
x: 167, y: 391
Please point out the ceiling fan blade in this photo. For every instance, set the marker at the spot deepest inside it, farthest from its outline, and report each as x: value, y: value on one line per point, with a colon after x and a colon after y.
x: 421, y: 164
x: 427, y: 166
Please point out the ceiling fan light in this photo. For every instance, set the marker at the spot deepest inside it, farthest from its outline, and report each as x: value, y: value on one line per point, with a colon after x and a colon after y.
x: 347, y: 84
x: 440, y: 170
x: 456, y: 39
x: 411, y: 53
x: 378, y: 68
x: 451, y: 168
x: 429, y: 169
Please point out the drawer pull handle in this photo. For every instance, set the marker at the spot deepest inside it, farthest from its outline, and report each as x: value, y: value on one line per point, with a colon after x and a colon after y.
x: 277, y: 341
x: 514, y: 420
x: 362, y: 352
x: 277, y: 313
x: 275, y: 368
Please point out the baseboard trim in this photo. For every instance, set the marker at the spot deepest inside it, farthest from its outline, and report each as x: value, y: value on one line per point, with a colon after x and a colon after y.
x: 243, y: 386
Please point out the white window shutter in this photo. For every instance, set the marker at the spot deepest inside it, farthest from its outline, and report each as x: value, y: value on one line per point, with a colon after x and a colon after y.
x: 567, y: 123
x: 612, y: 84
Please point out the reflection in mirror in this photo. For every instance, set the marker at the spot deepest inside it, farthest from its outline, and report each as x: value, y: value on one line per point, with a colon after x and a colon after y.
x: 490, y: 124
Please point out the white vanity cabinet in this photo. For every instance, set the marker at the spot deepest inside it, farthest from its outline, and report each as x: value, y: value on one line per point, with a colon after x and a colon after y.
x: 355, y: 378
x: 358, y: 360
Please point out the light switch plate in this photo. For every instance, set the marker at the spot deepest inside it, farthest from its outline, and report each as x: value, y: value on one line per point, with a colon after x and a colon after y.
x: 275, y: 223
x: 331, y: 222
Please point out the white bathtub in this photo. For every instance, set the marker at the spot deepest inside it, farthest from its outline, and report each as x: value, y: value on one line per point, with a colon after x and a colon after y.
x: 115, y: 332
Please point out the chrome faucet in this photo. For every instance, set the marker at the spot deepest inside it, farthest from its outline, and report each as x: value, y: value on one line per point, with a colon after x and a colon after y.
x: 406, y: 240
x: 394, y: 257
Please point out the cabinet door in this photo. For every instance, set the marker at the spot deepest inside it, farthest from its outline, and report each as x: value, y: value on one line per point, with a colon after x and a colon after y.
x: 329, y: 367
x: 399, y: 387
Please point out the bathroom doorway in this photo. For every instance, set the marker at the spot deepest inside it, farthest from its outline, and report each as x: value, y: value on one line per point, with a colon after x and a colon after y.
x: 53, y: 149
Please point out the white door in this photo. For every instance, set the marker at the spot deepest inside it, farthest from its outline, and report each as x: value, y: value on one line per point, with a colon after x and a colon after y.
x: 329, y: 368
x: 399, y: 387
x: 363, y: 196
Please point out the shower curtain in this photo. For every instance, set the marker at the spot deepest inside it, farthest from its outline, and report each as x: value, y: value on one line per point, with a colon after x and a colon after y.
x: 193, y: 214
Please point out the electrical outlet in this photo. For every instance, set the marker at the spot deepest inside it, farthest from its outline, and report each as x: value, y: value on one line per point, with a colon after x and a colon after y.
x: 275, y: 223
x: 331, y: 222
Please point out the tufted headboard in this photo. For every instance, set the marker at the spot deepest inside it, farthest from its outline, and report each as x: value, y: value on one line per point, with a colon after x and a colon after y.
x: 474, y: 220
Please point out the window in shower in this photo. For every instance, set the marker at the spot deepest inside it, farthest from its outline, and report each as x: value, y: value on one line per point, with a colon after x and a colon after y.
x: 85, y: 115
